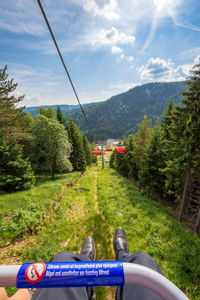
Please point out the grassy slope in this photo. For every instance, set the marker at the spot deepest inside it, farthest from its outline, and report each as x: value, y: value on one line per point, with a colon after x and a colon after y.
x: 151, y: 228
x: 102, y: 200
x: 24, y: 211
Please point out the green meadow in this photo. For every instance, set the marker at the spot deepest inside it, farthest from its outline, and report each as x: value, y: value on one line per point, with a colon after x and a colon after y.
x: 94, y: 206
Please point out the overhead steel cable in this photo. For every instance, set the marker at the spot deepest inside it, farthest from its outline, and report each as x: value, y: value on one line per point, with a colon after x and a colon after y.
x: 52, y: 35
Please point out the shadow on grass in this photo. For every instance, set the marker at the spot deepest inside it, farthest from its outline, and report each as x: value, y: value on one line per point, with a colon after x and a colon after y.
x: 100, y: 229
x: 42, y: 178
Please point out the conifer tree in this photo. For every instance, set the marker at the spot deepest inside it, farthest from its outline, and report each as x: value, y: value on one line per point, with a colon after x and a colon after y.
x: 141, y: 141
x: 151, y: 177
x: 12, y: 125
x: 112, y: 158
x: 77, y: 157
x: 170, y: 149
x: 130, y: 144
x: 60, y: 116
x: 42, y: 111
x: 88, y: 151
x: 120, y: 164
x: 190, y: 115
x: 49, y: 113
x: 167, y: 120
x: 15, y: 172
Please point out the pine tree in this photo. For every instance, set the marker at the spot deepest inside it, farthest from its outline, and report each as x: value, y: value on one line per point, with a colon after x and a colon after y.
x: 77, y: 157
x: 15, y: 172
x: 170, y: 150
x: 167, y: 119
x: 138, y: 146
x: 130, y: 144
x: 88, y: 151
x: 112, y: 158
x: 60, y: 116
x: 151, y: 177
x: 190, y: 114
x: 48, y: 113
x: 12, y: 125
x: 120, y: 164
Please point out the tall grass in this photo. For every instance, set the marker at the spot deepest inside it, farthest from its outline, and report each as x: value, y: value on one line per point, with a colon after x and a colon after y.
x: 25, y: 211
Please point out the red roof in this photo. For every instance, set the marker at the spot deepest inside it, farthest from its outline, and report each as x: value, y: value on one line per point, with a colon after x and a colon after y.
x: 120, y: 150
x: 96, y: 152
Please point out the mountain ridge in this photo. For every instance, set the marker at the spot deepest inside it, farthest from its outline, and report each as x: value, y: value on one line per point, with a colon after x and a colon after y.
x: 121, y: 113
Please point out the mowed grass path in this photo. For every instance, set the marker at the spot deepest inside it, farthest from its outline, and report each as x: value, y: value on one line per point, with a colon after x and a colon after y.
x: 100, y: 201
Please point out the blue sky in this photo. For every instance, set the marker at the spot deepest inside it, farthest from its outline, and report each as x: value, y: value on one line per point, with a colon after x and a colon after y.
x: 109, y: 46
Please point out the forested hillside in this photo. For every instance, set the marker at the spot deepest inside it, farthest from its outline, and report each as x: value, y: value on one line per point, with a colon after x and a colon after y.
x: 121, y: 114
x: 164, y: 160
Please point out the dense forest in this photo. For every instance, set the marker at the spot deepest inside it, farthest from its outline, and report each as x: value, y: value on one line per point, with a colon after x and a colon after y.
x: 165, y: 160
x: 120, y: 114
x: 29, y: 145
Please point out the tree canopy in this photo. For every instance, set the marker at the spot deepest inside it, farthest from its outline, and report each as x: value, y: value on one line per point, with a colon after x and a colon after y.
x: 77, y: 156
x: 51, y: 144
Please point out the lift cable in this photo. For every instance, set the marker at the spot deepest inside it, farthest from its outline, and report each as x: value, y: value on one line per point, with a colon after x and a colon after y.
x: 52, y: 35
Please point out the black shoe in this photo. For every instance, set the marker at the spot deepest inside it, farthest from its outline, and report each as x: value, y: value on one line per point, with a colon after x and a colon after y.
x: 120, y: 241
x: 88, y: 248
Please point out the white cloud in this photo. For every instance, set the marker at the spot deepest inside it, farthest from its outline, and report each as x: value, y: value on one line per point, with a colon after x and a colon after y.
x: 25, y: 17
x: 124, y: 57
x: 158, y: 69
x: 129, y: 58
x: 161, y: 9
x: 21, y: 17
x: 116, y: 49
x: 197, y: 60
x: 191, y: 52
x: 117, y: 88
x: 107, y: 11
x: 111, y: 37
x: 41, y: 86
x: 166, y: 7
x: 92, y: 40
x: 121, y: 87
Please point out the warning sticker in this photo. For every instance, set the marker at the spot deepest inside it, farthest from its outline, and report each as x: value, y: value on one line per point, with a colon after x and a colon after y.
x: 35, y: 272
x: 70, y: 274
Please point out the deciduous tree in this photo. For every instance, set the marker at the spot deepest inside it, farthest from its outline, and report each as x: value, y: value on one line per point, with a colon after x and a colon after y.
x: 52, y: 147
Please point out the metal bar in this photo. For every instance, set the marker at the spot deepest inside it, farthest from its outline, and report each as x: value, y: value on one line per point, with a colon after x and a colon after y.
x: 140, y: 275
x: 102, y: 156
x: 96, y: 273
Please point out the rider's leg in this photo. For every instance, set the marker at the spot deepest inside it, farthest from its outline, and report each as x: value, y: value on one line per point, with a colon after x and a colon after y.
x: 133, y: 291
x: 87, y: 254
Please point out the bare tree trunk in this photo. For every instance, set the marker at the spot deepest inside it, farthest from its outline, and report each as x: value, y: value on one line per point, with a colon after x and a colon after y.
x: 184, y: 193
x: 197, y: 220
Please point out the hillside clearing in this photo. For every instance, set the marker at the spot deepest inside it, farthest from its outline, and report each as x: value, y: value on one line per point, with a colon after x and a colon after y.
x: 100, y: 201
